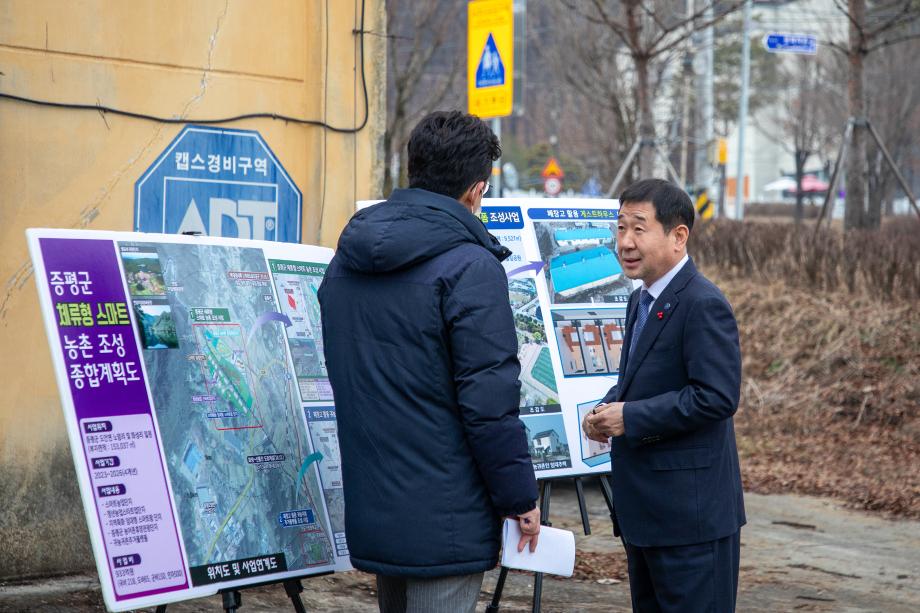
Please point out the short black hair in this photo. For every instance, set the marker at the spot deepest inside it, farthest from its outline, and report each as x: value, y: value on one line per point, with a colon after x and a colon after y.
x: 672, y: 204
x: 449, y: 151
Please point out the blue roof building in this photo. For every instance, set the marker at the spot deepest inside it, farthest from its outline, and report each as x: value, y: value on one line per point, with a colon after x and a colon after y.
x: 583, y: 236
x: 581, y: 270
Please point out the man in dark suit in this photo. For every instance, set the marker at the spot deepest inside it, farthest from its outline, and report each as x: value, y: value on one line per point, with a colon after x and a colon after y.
x: 675, y: 476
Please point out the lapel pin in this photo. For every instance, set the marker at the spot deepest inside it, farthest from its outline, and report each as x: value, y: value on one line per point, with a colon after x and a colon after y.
x: 660, y: 314
x: 667, y: 306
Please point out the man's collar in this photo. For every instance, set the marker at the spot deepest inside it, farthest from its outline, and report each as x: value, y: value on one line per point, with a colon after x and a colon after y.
x: 658, y: 286
x: 473, y: 223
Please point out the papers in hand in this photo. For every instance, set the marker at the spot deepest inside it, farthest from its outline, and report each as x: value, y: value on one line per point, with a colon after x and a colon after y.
x: 555, y: 552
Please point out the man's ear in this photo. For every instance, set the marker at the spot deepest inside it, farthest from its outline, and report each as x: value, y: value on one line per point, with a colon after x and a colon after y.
x: 468, y: 198
x: 681, y: 235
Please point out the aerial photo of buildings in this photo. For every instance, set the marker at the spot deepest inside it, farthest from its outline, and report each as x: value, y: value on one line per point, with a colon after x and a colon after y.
x: 538, y: 382
x: 583, y: 266
x: 590, y: 340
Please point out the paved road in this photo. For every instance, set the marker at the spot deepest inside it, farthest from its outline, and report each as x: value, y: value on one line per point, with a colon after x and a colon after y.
x: 798, y: 554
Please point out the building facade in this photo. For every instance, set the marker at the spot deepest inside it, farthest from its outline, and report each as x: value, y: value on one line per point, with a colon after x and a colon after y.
x: 71, y: 168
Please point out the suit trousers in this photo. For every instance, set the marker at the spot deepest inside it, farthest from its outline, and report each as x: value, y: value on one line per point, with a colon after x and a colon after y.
x: 685, y: 579
x: 454, y: 594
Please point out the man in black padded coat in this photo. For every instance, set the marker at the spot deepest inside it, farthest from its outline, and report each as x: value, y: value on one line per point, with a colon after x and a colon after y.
x: 421, y: 349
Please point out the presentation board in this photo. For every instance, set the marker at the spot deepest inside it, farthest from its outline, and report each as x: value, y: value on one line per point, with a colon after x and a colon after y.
x: 568, y: 295
x: 198, y: 408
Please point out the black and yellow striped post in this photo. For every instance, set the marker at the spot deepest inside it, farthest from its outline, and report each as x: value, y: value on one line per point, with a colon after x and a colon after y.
x: 705, y: 209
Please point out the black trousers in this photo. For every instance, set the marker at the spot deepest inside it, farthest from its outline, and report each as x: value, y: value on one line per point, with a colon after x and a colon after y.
x: 697, y: 578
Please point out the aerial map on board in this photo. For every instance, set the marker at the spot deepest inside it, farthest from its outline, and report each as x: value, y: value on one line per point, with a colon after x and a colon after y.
x: 244, y: 473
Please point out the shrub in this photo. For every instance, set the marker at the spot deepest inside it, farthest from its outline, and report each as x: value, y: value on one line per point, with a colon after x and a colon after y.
x: 883, y: 263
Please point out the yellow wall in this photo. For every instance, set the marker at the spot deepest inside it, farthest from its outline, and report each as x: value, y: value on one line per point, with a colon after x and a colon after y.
x: 76, y: 169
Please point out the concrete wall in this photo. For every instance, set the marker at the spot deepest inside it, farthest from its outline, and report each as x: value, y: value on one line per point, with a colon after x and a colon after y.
x: 76, y: 169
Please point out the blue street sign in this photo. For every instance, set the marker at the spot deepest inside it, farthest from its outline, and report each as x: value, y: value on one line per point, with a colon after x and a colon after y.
x: 218, y: 182
x: 491, y: 70
x: 790, y: 43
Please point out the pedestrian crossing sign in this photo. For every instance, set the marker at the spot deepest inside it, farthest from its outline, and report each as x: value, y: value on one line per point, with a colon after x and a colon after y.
x: 490, y: 58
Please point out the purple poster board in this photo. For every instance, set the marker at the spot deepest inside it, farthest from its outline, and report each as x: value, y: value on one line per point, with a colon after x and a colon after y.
x: 179, y: 388
x: 110, y: 402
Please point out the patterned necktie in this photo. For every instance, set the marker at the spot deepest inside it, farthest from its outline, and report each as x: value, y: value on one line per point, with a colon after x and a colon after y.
x: 645, y: 301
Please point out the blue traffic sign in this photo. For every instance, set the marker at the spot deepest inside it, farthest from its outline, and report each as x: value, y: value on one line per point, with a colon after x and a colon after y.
x: 491, y: 70
x: 790, y: 43
x: 218, y: 182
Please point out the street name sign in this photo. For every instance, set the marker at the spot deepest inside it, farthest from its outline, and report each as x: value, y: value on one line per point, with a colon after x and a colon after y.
x: 776, y: 42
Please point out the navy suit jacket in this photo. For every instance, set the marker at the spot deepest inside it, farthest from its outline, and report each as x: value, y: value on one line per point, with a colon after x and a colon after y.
x: 675, y: 473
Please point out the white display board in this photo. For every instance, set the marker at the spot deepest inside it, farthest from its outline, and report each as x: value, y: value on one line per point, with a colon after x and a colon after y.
x: 568, y: 295
x: 198, y: 409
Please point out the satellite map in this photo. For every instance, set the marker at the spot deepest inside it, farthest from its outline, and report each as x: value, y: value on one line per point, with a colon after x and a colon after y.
x: 244, y: 472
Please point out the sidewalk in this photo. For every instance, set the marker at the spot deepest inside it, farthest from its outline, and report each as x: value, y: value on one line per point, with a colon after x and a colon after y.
x: 798, y: 553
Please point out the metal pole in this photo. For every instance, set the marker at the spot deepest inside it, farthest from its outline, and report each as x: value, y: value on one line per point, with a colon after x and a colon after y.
x: 838, y: 164
x: 705, y: 180
x: 497, y: 164
x: 743, y: 111
x: 622, y: 171
x: 894, y: 168
x: 667, y: 164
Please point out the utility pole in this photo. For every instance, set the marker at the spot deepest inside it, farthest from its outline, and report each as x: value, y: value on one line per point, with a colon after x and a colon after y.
x: 705, y: 132
x: 706, y: 180
x: 685, y: 111
x: 497, y: 164
x: 743, y: 111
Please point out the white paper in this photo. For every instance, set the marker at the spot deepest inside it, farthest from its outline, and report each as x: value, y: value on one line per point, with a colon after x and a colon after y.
x: 555, y: 552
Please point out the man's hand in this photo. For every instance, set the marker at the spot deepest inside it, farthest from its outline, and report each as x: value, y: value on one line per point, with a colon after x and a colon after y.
x: 589, y: 429
x: 605, y: 421
x: 530, y: 529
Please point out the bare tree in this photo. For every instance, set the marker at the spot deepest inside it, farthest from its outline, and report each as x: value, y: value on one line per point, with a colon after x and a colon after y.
x: 424, y: 58
x: 893, y: 102
x: 872, y: 26
x: 593, y: 67
x: 804, y: 130
x: 649, y: 30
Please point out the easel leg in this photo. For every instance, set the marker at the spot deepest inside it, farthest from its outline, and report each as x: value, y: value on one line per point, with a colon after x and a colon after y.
x: 497, y: 596
x: 233, y: 600
x: 580, y: 492
x: 608, y: 495
x: 544, y: 520
x: 293, y: 588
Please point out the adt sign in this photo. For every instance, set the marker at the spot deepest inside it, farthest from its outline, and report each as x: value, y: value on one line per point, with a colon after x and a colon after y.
x: 218, y: 182
x: 790, y: 43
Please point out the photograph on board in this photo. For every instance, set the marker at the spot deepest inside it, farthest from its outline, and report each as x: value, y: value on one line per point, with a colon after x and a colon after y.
x: 590, y: 340
x: 546, y: 438
x: 581, y: 262
x: 538, y: 381
x: 592, y: 452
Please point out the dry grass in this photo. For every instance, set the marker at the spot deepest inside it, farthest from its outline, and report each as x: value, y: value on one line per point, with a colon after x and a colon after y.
x: 884, y: 263
x: 830, y: 396
x: 831, y: 393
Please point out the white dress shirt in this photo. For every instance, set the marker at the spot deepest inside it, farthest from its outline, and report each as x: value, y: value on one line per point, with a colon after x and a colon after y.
x: 658, y: 286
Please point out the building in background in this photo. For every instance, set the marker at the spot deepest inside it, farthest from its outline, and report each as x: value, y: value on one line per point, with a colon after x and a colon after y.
x: 72, y: 168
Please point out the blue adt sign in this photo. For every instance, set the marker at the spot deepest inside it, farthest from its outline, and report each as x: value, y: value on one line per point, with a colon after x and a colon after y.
x: 491, y: 70
x: 219, y: 182
x: 790, y: 43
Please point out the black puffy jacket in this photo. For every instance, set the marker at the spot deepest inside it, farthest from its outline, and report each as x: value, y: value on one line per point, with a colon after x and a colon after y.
x: 422, y: 355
